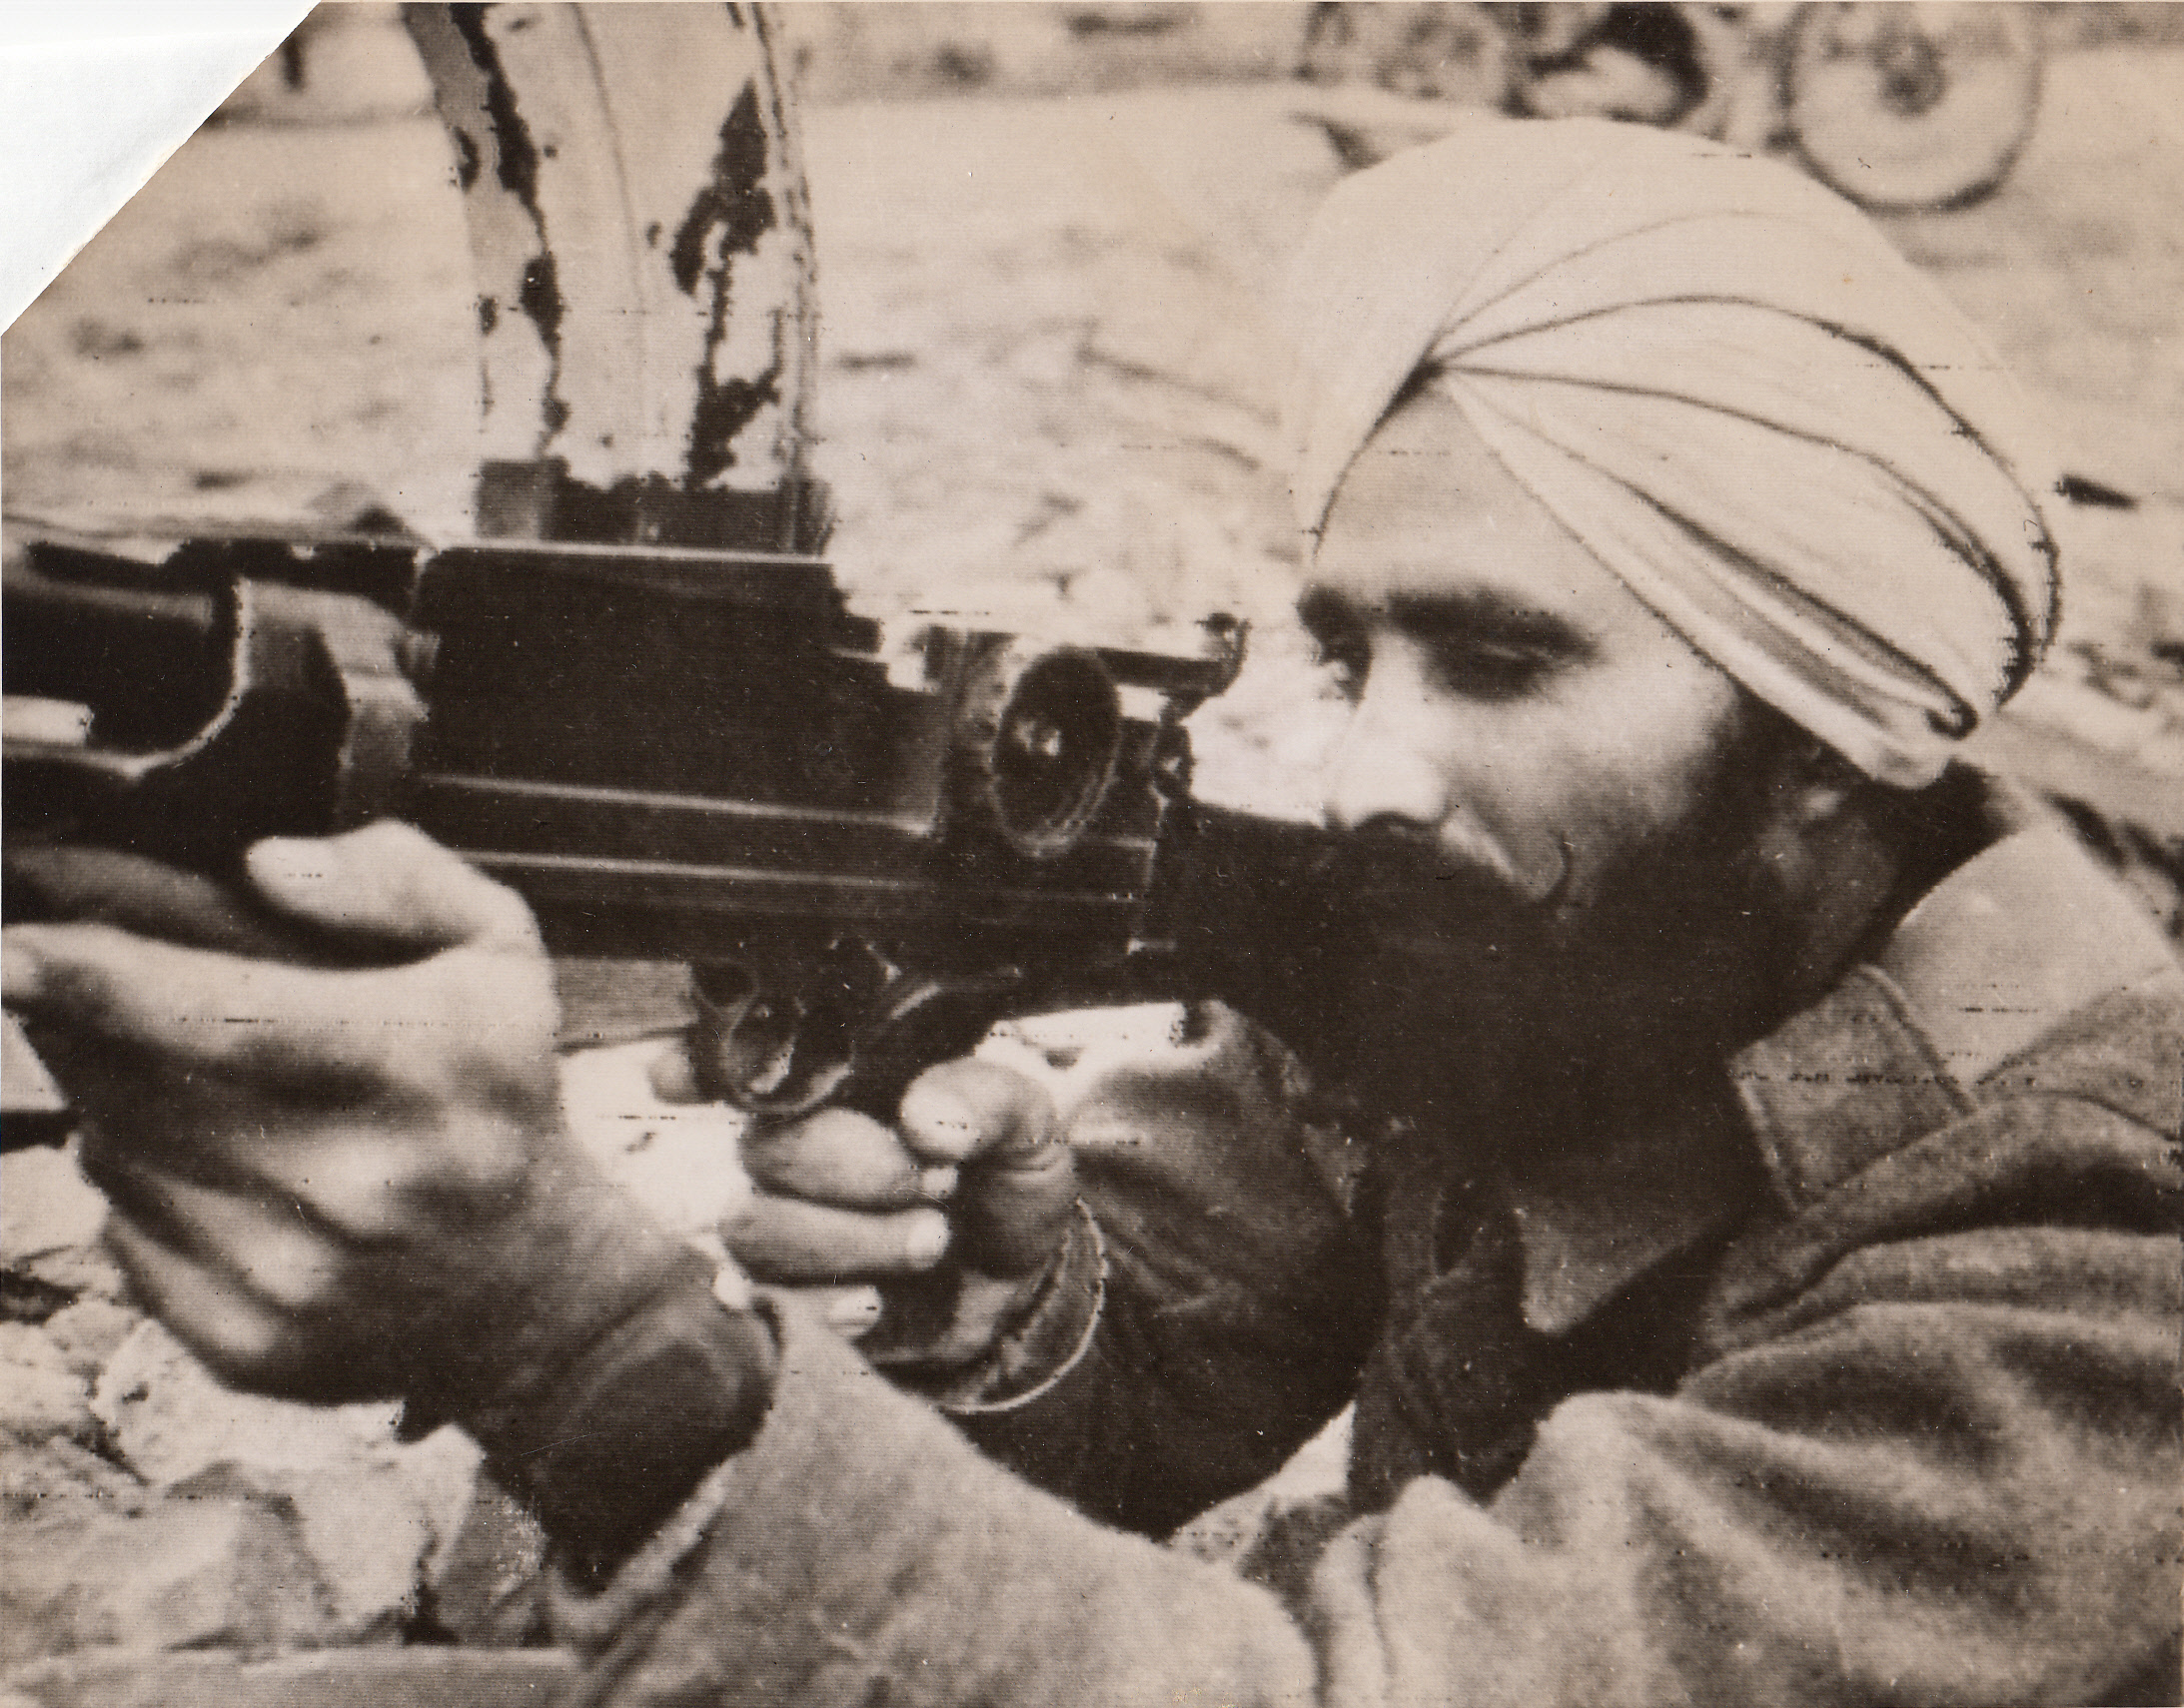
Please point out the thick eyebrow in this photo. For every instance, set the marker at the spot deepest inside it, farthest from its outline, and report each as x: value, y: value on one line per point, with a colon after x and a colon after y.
x: 1480, y: 614
x: 1473, y: 614
x: 1327, y: 614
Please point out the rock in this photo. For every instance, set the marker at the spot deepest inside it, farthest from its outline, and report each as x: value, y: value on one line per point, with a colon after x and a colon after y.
x: 88, y: 1333
x: 372, y: 1512
x: 2161, y: 620
x: 486, y: 1583
x: 324, y: 1678
x: 58, y: 1472
x: 50, y: 1217
x: 40, y: 1396
x: 368, y: 1529
x: 208, y: 1564
x: 169, y: 1416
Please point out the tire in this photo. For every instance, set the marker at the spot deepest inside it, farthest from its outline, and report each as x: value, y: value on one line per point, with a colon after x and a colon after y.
x: 1912, y: 106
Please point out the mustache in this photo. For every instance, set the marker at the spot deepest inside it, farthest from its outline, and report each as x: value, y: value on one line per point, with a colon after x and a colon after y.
x: 1391, y: 865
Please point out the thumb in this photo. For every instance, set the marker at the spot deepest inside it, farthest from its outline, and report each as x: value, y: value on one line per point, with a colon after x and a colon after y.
x: 1020, y: 1182
x: 970, y: 1110
x: 389, y: 880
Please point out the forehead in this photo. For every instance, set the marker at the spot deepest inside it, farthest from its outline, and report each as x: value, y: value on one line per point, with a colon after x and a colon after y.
x: 1426, y: 510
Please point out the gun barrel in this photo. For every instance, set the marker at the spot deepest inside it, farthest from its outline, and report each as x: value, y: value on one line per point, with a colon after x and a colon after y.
x: 102, y: 646
x: 659, y: 748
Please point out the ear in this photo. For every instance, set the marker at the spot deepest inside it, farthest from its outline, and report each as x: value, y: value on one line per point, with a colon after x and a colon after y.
x: 1819, y: 784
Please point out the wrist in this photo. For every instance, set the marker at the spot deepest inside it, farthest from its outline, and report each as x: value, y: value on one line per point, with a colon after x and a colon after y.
x: 574, y: 1262
x: 1023, y: 1350
x: 608, y: 1447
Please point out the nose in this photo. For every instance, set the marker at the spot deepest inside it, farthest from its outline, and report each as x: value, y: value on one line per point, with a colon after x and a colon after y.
x: 1377, y: 771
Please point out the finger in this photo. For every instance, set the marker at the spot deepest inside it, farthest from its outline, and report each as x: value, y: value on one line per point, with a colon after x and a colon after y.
x: 102, y: 886
x: 966, y: 1110
x: 237, y: 1337
x: 673, y: 1075
x: 849, y: 1311
x: 1020, y: 1184
x: 1013, y: 1213
x: 840, y: 1157
x: 389, y: 880
x: 218, y: 1012
x: 267, y: 1251
x: 788, y: 1239
x: 338, y: 1178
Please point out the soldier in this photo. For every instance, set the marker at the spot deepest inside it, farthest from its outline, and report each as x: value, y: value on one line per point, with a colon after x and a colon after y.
x: 1780, y: 1302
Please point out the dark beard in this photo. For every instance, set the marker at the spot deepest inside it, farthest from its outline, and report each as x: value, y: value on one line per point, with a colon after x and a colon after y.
x: 1467, y: 996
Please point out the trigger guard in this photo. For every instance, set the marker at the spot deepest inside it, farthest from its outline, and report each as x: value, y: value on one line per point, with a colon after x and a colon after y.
x: 751, y: 1043
x: 853, y: 1032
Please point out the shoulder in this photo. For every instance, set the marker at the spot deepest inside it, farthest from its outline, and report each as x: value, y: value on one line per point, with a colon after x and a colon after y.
x: 2055, y: 1188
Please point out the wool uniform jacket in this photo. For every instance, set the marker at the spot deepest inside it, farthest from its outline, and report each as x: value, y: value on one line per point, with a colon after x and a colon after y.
x: 1863, y: 1391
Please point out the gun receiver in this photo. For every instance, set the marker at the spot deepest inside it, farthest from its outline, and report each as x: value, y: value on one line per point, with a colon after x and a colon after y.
x: 671, y: 754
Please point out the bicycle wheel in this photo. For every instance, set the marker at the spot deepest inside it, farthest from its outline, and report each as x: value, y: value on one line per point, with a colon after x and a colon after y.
x: 1904, y: 107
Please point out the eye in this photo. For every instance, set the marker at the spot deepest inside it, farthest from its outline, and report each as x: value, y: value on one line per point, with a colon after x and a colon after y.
x: 1340, y: 644
x: 1348, y: 660
x: 1481, y: 648
x: 1484, y: 670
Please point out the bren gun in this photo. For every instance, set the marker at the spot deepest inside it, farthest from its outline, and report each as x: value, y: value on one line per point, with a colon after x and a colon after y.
x: 674, y: 755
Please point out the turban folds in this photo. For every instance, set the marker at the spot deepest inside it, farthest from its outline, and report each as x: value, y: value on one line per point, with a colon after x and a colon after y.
x: 1727, y: 386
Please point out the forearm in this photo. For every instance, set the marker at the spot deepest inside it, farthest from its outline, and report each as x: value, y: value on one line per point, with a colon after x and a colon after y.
x: 1159, y: 1403
x: 1231, y: 1303
x: 860, y: 1546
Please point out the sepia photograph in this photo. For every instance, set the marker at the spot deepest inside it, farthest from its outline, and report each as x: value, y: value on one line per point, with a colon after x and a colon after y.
x: 1113, y: 853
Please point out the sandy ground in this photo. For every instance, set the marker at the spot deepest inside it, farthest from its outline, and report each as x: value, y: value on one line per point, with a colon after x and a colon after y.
x: 1048, y: 384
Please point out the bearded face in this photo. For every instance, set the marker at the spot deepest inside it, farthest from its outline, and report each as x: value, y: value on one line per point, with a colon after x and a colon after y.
x: 1563, y: 819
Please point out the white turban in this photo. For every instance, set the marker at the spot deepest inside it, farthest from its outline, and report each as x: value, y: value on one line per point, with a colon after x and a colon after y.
x: 1727, y: 386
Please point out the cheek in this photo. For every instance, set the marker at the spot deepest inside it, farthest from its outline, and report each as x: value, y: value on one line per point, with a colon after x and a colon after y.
x: 1607, y: 770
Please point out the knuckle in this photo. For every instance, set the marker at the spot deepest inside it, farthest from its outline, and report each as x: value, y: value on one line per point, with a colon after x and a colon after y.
x: 296, y: 1279
x: 506, y: 917
x: 384, y: 835
x: 495, y: 914
x: 391, y: 842
x: 241, y: 1347
x: 750, y: 1227
x: 79, y: 975
x: 479, y: 1163
x: 470, y: 1038
x: 364, y: 1190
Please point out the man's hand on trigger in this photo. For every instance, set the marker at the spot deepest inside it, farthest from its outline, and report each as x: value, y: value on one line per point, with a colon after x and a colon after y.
x: 955, y: 1214
x: 338, y: 1184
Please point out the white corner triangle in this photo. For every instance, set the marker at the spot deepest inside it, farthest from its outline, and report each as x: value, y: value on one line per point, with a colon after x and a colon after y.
x: 94, y: 95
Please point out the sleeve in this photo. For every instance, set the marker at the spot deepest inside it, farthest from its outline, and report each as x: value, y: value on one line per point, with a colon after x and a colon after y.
x: 1946, y: 1470
x: 861, y: 1551
x: 1955, y: 1482
x: 1214, y: 1305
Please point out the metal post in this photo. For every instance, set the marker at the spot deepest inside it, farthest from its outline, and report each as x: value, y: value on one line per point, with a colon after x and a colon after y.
x: 641, y: 237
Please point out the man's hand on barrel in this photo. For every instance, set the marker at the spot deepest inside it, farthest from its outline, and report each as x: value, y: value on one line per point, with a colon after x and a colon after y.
x: 335, y: 1182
